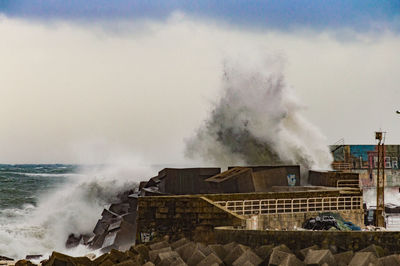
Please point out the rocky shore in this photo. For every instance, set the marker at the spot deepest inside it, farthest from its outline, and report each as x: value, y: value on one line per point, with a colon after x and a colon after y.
x: 186, y: 252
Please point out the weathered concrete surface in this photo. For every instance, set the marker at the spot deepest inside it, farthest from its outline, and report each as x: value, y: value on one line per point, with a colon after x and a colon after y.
x: 297, y: 240
x: 319, y: 257
x: 343, y: 258
x: 364, y: 259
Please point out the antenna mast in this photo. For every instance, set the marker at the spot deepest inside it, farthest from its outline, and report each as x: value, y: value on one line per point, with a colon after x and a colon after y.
x: 380, y: 180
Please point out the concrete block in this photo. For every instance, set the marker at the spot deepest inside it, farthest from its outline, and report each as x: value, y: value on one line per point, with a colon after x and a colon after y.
x: 117, y: 256
x: 343, y: 258
x: 319, y: 257
x: 292, y: 260
x: 283, y: 248
x: 218, y: 250
x: 363, y: 259
x: 179, y: 243
x: 303, y: 252
x: 154, y: 253
x: 277, y: 257
x: 62, y: 259
x: 228, y: 247
x: 143, y: 250
x: 186, y: 250
x: 264, y: 252
x: 235, y: 253
x: 20, y: 263
x: 166, y: 258
x: 159, y: 245
x: 249, y: 256
x: 377, y: 250
x: 119, y: 208
x: 211, y: 259
x: 204, y: 249
x: 100, y: 259
x: 107, y: 262
x: 128, y: 263
x: 392, y: 260
x: 196, y: 258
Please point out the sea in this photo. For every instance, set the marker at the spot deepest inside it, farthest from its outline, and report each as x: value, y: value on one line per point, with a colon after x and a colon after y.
x: 42, y: 204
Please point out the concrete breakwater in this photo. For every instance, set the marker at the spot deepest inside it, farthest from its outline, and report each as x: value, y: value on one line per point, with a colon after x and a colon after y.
x: 185, y: 252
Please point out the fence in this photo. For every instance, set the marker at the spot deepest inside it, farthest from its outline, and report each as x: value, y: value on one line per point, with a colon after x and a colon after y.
x: 354, y: 183
x: 271, y: 206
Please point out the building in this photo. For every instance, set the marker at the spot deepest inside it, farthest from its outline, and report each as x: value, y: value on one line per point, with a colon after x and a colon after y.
x: 363, y: 159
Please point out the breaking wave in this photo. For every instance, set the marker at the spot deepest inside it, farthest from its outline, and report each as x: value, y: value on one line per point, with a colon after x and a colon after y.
x: 72, y: 207
x: 258, y: 120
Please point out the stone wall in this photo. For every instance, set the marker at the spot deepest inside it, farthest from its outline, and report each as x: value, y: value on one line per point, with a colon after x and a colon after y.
x: 181, y: 216
x: 343, y: 240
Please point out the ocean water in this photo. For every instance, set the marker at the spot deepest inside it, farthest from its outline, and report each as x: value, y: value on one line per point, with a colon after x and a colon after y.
x: 40, y: 205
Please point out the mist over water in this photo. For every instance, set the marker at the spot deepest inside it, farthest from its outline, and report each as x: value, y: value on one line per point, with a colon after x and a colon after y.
x: 258, y: 120
x: 72, y: 206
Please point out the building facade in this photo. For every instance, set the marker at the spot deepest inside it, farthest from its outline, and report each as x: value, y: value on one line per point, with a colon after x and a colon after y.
x: 363, y: 159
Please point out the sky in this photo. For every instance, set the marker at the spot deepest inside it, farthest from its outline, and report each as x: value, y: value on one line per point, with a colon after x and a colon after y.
x: 86, y: 81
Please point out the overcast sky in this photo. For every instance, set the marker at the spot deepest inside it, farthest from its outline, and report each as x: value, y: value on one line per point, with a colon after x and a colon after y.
x: 84, y: 81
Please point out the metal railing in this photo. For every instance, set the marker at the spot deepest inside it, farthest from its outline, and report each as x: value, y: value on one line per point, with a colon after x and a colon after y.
x: 341, y: 166
x: 271, y: 206
x: 348, y: 183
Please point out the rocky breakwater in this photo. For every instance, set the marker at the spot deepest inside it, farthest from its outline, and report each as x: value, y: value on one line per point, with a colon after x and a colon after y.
x: 186, y: 252
x: 115, y: 229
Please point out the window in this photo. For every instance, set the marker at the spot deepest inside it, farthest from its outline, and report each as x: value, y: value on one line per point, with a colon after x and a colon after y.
x: 375, y: 161
x: 395, y: 163
x: 387, y: 162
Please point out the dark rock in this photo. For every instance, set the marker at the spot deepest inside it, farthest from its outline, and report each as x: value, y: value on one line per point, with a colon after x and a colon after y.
x: 249, y: 256
x: 343, y: 258
x: 33, y: 257
x: 319, y: 257
x: 5, y: 258
x: 72, y: 241
x: 24, y: 263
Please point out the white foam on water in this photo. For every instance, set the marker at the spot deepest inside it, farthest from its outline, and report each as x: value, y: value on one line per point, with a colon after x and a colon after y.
x: 73, y: 207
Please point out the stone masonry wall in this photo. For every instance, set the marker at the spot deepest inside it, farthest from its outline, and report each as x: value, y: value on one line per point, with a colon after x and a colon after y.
x: 181, y: 216
x: 343, y: 240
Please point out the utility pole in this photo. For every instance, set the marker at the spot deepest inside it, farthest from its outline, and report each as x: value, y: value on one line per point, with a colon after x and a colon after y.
x: 380, y: 181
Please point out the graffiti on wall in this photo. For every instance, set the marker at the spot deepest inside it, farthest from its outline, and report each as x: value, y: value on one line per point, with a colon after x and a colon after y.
x: 364, y: 160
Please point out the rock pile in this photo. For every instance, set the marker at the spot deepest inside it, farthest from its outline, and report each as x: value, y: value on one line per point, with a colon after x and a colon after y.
x: 186, y: 252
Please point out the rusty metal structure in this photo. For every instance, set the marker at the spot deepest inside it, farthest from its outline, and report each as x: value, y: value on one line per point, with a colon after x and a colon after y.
x: 380, y: 181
